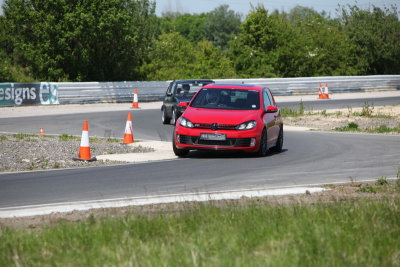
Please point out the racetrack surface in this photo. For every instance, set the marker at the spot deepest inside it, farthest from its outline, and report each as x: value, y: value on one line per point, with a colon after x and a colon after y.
x: 308, y: 158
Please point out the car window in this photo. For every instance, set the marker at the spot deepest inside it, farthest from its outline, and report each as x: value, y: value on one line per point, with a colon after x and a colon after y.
x: 220, y: 98
x: 271, y: 97
x: 266, y: 98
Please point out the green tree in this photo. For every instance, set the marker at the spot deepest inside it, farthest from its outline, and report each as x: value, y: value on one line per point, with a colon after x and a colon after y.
x: 221, y: 24
x: 175, y: 57
x: 190, y: 26
x: 81, y: 40
x: 376, y: 34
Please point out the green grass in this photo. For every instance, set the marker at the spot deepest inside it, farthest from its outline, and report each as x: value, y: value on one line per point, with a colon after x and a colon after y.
x: 353, y: 127
x: 3, y: 138
x: 22, y: 136
x: 360, y: 232
x: 67, y: 137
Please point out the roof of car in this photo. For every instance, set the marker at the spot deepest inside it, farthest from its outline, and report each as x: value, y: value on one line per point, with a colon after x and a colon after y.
x: 234, y: 86
x: 194, y: 81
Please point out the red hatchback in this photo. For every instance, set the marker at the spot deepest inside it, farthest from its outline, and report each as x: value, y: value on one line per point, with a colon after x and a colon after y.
x: 229, y: 117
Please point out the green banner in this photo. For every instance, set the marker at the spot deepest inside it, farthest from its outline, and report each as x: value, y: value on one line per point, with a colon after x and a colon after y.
x: 19, y: 94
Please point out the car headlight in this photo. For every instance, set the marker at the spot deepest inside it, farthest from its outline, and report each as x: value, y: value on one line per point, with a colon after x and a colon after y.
x: 248, y: 125
x: 186, y: 123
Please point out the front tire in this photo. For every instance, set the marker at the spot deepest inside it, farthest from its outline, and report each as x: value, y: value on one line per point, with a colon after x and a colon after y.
x: 164, y: 116
x: 263, y: 150
x: 178, y: 152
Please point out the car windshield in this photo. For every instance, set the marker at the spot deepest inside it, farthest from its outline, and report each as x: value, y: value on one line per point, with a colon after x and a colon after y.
x: 216, y: 98
x: 187, y: 88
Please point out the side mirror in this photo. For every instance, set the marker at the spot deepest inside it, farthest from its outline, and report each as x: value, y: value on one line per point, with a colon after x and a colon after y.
x: 271, y: 109
x: 183, y: 104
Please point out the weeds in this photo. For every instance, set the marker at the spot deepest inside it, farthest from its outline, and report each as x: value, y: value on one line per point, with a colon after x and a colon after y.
x: 3, y: 138
x: 352, y: 126
x: 113, y: 140
x: 382, y: 181
x: 22, y: 136
x: 67, y: 137
x: 368, y: 189
x: 367, y: 110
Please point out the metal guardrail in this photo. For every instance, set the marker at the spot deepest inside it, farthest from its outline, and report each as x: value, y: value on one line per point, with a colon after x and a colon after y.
x: 91, y: 92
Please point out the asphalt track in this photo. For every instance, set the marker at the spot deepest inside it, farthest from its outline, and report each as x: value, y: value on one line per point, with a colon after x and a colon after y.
x: 308, y: 158
x: 146, y: 123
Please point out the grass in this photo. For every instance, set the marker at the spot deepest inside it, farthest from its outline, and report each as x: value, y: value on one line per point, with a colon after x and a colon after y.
x: 67, y: 137
x: 353, y: 127
x: 22, y: 136
x: 343, y: 233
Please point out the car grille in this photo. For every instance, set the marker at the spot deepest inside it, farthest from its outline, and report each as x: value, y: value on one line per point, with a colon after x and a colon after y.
x: 229, y: 142
x: 216, y: 126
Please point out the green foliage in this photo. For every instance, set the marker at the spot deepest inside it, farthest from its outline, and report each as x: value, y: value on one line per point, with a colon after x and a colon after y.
x: 375, y: 34
x: 81, y: 40
x: 221, y: 24
x: 355, y: 232
x: 190, y: 26
x: 382, y: 181
x: 174, y: 57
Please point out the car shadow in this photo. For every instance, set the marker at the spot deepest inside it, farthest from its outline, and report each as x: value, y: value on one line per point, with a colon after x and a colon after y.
x: 223, y: 154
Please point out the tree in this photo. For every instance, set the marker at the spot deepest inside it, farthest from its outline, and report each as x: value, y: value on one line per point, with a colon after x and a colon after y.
x: 175, y: 57
x: 221, y: 24
x: 190, y: 26
x: 81, y: 40
x: 376, y: 34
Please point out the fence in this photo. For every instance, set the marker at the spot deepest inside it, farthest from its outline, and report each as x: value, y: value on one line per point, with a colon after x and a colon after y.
x: 90, y: 92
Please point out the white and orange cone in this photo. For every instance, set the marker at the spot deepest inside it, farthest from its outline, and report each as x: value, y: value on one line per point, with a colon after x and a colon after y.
x: 323, y: 92
x: 128, y: 135
x: 135, y: 103
x: 84, y: 150
x: 41, y: 132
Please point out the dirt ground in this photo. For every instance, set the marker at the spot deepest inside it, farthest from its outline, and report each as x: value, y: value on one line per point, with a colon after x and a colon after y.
x: 329, y: 120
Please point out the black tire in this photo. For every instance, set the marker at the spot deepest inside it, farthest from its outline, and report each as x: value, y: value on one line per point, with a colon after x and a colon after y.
x: 164, y: 116
x: 178, y: 152
x: 263, y: 150
x: 279, y: 142
x: 173, y: 118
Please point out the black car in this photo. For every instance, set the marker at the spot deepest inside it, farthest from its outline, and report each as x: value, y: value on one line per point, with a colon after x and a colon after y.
x: 179, y: 91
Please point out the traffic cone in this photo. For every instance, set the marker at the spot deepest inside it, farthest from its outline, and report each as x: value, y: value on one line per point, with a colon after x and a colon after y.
x: 135, y: 103
x: 326, y: 91
x: 128, y: 135
x: 84, y: 150
x: 41, y: 132
x: 322, y: 94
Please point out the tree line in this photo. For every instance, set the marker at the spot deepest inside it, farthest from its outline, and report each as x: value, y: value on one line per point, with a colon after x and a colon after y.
x: 116, y: 40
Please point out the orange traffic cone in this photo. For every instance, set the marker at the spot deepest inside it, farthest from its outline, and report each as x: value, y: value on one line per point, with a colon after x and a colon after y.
x: 84, y: 151
x: 135, y: 103
x: 323, y: 92
x: 41, y: 132
x: 128, y: 135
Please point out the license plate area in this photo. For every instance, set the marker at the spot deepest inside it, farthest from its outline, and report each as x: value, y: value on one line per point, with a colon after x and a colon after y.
x: 213, y: 136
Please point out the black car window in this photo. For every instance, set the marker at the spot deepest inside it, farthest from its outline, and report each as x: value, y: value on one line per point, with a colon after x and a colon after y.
x: 267, y: 99
x: 234, y: 99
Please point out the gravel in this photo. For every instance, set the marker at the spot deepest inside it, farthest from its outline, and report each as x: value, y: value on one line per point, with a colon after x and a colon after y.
x: 22, y: 152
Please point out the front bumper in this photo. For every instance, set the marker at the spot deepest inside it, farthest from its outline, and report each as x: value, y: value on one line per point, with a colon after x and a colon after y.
x: 186, y: 138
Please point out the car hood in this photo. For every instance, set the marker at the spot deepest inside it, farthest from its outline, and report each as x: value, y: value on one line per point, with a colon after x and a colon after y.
x: 220, y: 116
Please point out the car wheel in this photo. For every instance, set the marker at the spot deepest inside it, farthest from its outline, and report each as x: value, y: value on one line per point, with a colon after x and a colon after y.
x: 279, y: 142
x: 173, y: 118
x: 164, y: 116
x: 263, y: 150
x: 178, y: 152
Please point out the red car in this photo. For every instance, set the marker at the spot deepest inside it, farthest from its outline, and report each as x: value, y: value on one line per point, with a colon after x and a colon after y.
x: 229, y: 117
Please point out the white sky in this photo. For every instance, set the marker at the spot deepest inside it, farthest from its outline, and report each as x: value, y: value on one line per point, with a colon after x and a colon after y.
x: 243, y: 6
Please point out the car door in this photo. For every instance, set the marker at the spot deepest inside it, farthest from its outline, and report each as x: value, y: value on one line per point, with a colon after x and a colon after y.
x: 169, y: 99
x: 270, y: 118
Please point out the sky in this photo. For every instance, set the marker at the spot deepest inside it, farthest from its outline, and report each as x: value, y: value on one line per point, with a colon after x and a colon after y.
x: 243, y: 6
